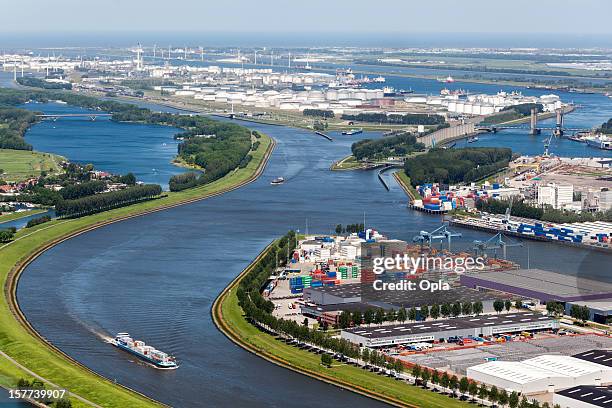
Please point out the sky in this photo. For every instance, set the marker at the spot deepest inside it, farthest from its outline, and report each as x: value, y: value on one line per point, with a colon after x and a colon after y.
x: 589, y: 19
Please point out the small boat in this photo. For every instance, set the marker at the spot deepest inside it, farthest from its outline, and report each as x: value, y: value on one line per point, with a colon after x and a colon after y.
x: 278, y: 180
x: 352, y: 132
x: 472, y: 139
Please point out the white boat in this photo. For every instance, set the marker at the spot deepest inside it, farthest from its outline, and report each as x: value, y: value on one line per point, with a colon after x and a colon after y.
x: 600, y: 141
x: 278, y: 180
x: 379, y: 79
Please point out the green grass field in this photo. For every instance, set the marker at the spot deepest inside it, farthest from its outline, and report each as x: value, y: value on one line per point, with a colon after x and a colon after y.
x: 229, y: 314
x: 18, y: 165
x: 17, y: 215
x: 31, y: 352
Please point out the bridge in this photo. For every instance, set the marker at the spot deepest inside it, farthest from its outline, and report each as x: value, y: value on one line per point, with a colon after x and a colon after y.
x: 559, y: 129
x: 449, y: 133
x: 91, y: 116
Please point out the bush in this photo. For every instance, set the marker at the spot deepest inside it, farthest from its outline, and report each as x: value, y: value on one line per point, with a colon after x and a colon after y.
x: 37, y: 221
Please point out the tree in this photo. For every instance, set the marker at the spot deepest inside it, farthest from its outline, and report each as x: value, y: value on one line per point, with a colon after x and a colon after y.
x: 63, y: 403
x: 357, y: 318
x: 445, y: 310
x: 6, y: 235
x: 402, y: 315
x: 435, y: 377
x: 464, y: 384
x: 344, y: 320
x: 445, y: 380
x: 524, y: 403
x: 379, y: 317
x: 483, y: 393
x: 456, y: 309
x: 424, y: 312
x: 473, y: 389
x: 412, y: 314
x: 391, y: 315
x: 513, y: 399
x: 453, y: 383
x: 435, y: 311
x: 425, y: 376
x: 365, y: 354
x: 493, y: 395
x: 498, y: 305
x: 305, y: 322
x: 416, y: 371
x: 477, y: 307
x: 326, y: 360
x: 503, y: 397
x: 368, y: 316
x: 338, y: 229
x: 518, y: 304
x: 466, y: 308
x: 508, y: 305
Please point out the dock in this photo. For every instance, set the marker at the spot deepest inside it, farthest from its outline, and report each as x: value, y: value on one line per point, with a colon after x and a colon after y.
x: 324, y: 135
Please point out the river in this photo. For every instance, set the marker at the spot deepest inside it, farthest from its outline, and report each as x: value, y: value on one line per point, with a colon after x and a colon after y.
x: 157, y: 276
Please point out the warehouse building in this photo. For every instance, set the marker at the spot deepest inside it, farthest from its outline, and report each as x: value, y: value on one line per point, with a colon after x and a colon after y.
x: 394, y: 299
x: 485, y: 325
x: 540, y: 285
x: 600, y: 310
x: 584, y: 396
x: 546, y: 373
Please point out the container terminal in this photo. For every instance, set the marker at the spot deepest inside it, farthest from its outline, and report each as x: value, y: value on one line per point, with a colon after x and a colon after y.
x: 519, y: 347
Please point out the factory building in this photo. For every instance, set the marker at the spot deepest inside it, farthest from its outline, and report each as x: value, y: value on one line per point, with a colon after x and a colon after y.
x: 484, y: 325
x: 364, y: 293
x: 545, y: 373
x: 555, y: 195
x: 584, y: 396
x: 540, y: 285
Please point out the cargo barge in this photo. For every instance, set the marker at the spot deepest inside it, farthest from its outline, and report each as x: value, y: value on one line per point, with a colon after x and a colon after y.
x: 149, y: 354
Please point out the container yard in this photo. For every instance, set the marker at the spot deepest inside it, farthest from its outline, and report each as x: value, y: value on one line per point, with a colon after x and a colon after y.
x: 596, y: 234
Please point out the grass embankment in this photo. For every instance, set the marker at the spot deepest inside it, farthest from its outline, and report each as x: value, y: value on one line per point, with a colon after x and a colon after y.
x: 404, y: 181
x: 229, y: 318
x: 17, y: 215
x: 348, y: 163
x: 17, y: 338
x: 19, y: 165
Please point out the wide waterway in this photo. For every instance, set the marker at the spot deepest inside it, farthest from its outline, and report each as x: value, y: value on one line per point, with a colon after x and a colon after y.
x: 157, y: 276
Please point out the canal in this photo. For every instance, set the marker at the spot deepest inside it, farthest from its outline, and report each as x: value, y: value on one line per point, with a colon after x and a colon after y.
x: 157, y: 276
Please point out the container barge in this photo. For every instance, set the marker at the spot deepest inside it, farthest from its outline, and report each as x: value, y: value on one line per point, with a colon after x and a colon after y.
x: 159, y: 359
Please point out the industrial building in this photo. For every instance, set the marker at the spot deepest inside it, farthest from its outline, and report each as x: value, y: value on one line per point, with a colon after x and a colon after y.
x: 342, y: 295
x: 545, y: 373
x: 600, y: 310
x: 584, y: 396
x: 556, y: 195
x: 540, y: 285
x: 485, y: 325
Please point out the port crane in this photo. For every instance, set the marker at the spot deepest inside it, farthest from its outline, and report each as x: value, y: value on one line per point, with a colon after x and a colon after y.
x: 547, y: 145
x: 441, y: 233
x: 498, y: 241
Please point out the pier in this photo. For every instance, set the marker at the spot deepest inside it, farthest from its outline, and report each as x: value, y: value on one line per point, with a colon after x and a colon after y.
x: 324, y: 135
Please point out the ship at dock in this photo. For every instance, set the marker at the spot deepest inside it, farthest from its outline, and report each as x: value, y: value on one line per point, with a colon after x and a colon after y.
x: 157, y: 358
x: 600, y: 142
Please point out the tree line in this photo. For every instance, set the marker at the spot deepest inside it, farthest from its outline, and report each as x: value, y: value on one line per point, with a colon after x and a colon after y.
x: 399, y: 145
x: 542, y: 213
x: 449, y: 166
x: 106, y: 201
x: 445, y: 310
x: 350, y: 228
x: 37, y: 221
x: 40, y: 83
x: 13, y: 124
x: 407, y: 119
x: 322, y: 113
